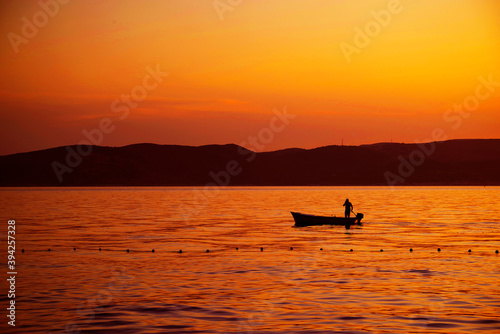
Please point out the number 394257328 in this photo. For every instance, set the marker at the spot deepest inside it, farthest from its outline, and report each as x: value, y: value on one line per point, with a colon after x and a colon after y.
x: 11, y: 232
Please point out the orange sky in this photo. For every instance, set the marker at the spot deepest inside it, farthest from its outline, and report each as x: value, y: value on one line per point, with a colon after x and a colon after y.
x: 229, y: 67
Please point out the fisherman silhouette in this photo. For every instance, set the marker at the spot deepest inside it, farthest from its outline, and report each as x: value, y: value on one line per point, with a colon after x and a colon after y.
x: 348, y: 208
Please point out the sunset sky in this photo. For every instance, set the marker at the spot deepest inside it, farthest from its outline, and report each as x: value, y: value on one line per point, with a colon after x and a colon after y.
x: 229, y: 66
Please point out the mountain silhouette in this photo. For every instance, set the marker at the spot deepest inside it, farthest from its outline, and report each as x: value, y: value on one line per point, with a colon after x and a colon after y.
x: 453, y: 162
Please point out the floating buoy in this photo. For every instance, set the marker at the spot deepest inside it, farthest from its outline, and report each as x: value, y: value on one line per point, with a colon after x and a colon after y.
x: 261, y: 249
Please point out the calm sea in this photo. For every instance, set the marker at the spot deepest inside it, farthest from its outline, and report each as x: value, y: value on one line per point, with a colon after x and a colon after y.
x: 319, y: 286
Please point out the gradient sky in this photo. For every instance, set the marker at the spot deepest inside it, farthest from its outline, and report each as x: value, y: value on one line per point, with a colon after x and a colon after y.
x: 226, y: 76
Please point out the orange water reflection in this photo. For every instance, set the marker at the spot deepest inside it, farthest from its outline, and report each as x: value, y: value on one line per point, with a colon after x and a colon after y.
x: 245, y: 290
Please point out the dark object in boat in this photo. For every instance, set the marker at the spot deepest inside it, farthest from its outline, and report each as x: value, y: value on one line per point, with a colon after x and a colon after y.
x: 302, y: 219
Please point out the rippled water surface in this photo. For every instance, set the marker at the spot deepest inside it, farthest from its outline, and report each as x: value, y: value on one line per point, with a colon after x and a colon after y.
x: 319, y: 286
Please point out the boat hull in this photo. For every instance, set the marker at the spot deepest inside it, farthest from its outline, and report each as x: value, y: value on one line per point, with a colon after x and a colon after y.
x: 311, y: 220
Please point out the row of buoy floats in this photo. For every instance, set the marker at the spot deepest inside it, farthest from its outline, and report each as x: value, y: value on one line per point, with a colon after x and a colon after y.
x: 261, y: 249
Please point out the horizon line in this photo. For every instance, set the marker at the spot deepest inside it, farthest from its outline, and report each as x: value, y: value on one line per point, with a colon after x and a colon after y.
x: 277, y: 150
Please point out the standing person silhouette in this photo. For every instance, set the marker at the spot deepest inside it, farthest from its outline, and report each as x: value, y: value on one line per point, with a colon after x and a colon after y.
x: 348, y: 208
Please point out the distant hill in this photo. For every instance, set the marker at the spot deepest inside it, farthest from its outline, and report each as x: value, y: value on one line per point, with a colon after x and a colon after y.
x: 454, y: 162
